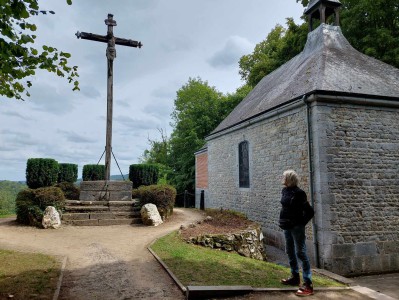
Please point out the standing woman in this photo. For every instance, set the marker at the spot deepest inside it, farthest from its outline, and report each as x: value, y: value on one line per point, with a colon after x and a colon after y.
x: 295, y: 213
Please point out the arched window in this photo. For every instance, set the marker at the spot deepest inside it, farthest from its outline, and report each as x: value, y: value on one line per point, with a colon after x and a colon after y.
x: 243, y: 164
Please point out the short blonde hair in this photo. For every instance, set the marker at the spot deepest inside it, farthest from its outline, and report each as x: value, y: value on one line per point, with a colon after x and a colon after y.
x: 291, y: 178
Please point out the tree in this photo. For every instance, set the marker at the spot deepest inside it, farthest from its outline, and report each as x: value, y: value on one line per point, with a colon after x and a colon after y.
x: 279, y: 47
x: 195, y: 115
x: 18, y: 58
x: 372, y: 27
x: 159, y: 150
x: 199, y: 108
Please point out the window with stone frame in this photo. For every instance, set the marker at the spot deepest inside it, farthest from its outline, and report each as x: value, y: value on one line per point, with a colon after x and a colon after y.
x: 243, y: 164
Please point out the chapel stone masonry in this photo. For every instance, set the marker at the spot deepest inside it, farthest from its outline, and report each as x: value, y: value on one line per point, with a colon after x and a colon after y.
x: 332, y: 114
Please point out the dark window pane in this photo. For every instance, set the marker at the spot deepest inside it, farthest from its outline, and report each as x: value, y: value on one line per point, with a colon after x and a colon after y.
x: 243, y: 158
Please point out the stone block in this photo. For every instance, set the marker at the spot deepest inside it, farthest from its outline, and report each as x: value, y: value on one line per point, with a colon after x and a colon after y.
x: 372, y: 264
x: 86, y: 195
x: 327, y: 199
x: 343, y: 250
x: 93, y: 185
x: 120, y: 195
x: 105, y: 190
x: 75, y: 216
x: 359, y: 265
x: 108, y: 222
x: 101, y: 185
x: 84, y: 222
x: 342, y: 266
x: 106, y: 215
x: 390, y: 247
x: 395, y: 262
x: 120, y: 186
x: 366, y: 249
x: 386, y: 263
x: 328, y: 238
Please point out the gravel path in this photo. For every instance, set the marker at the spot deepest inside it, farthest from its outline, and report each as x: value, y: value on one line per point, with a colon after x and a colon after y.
x: 107, y: 262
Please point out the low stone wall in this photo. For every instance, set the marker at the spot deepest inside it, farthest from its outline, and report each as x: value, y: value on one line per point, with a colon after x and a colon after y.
x: 248, y: 243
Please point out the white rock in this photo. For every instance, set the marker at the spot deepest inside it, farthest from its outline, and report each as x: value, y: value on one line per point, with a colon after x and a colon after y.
x: 51, y: 218
x: 150, y: 215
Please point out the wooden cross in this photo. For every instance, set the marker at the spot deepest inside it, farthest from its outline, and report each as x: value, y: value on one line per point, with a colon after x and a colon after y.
x: 111, y: 40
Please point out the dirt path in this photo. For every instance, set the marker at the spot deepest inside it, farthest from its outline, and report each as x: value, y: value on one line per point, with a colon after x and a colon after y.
x: 103, y: 262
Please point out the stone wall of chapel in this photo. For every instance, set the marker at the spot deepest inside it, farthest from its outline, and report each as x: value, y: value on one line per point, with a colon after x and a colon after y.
x: 275, y: 144
x: 357, y: 187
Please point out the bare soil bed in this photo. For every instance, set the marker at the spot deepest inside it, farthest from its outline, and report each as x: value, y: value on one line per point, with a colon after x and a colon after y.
x: 221, y: 222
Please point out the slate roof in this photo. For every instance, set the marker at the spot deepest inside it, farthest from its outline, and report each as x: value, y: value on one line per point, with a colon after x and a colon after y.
x: 329, y: 64
x: 313, y: 3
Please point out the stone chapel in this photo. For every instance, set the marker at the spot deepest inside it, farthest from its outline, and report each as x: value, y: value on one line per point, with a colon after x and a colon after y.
x: 332, y: 114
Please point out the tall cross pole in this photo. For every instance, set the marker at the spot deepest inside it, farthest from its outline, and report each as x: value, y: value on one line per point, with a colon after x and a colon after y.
x: 111, y: 40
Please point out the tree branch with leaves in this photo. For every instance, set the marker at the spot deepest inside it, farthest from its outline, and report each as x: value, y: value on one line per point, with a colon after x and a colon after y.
x: 19, y: 59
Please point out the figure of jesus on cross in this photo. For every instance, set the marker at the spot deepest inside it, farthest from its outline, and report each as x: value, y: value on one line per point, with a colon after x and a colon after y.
x: 111, y: 40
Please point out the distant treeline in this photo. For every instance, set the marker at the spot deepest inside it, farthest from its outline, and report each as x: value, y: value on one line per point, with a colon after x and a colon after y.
x: 8, y: 194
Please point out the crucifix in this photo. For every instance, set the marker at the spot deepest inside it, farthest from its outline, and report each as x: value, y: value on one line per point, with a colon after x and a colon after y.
x: 111, y: 40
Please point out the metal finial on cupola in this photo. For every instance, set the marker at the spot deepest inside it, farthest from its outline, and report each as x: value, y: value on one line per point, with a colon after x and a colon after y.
x: 322, y: 9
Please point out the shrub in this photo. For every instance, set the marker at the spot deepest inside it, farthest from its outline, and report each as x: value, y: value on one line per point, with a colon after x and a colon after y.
x: 49, y: 196
x: 135, y: 193
x: 143, y: 174
x: 70, y: 190
x: 30, y: 204
x: 23, y: 203
x: 41, y: 172
x: 93, y: 172
x: 68, y: 173
x: 163, y: 196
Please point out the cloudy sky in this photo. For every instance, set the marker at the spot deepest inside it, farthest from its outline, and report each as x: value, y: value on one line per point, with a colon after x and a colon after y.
x: 181, y: 38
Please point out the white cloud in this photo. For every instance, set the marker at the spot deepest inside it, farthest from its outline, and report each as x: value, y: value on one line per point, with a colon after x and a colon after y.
x: 229, y: 55
x: 76, y: 138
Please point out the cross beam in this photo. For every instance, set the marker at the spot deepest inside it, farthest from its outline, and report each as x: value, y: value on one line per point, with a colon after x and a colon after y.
x: 111, y: 40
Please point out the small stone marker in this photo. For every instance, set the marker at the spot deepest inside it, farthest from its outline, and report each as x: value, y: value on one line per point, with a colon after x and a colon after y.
x: 51, y: 218
x: 150, y: 215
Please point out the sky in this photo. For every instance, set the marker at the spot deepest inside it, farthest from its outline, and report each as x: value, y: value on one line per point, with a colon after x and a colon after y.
x: 181, y: 39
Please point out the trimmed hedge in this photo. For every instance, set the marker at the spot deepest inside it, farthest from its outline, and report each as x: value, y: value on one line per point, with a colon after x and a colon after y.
x: 71, y: 191
x: 163, y: 196
x: 67, y: 173
x: 41, y: 172
x: 143, y: 174
x: 30, y: 204
x: 93, y: 172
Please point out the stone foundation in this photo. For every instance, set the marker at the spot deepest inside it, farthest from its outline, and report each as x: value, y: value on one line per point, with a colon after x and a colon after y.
x: 105, y: 190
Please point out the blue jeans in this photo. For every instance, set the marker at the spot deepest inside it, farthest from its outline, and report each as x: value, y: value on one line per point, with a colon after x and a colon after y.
x: 295, y: 247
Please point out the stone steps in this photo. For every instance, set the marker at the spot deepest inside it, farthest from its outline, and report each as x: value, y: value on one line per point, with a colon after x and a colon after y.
x: 103, y: 222
x: 101, y: 213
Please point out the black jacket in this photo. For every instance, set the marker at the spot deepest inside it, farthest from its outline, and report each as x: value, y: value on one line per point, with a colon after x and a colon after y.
x: 295, y: 209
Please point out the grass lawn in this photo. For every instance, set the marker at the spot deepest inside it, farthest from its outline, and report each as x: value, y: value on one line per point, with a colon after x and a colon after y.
x: 196, y: 265
x: 27, y: 275
x: 7, y: 216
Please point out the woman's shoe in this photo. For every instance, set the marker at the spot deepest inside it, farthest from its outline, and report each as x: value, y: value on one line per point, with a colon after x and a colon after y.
x: 305, y: 290
x: 293, y: 280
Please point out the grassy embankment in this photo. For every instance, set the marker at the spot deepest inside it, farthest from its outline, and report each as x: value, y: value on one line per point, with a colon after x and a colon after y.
x: 196, y: 265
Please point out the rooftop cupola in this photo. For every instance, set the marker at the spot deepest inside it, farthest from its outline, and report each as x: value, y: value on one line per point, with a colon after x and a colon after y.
x: 322, y: 10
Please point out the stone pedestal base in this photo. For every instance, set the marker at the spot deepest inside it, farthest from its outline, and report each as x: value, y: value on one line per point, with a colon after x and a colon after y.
x: 105, y: 190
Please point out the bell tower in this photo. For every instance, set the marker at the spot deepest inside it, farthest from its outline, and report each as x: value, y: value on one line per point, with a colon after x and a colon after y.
x: 321, y: 10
